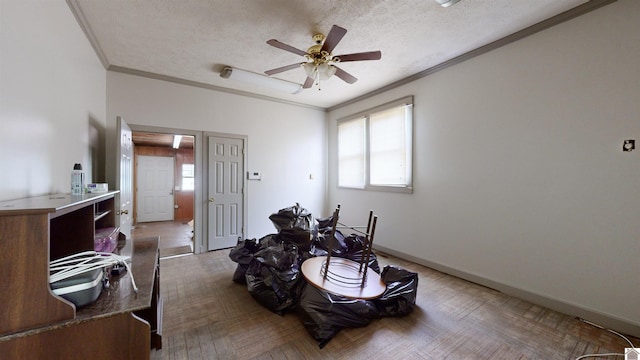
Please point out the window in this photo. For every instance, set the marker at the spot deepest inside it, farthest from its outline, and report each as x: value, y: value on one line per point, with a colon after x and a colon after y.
x: 375, y: 148
x: 188, y: 174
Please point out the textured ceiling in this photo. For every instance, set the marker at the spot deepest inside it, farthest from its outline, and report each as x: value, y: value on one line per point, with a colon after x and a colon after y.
x: 193, y: 39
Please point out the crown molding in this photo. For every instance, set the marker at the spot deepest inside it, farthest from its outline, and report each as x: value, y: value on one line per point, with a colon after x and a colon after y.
x: 201, y: 85
x: 81, y: 19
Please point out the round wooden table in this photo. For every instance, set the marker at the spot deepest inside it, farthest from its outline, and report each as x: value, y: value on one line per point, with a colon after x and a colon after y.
x: 343, y: 278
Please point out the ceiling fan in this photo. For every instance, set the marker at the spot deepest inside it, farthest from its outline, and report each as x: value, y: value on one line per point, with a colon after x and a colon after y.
x: 320, y: 64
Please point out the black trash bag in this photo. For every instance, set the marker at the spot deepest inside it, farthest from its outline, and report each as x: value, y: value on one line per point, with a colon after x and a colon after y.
x: 243, y: 255
x: 274, y: 278
x: 399, y: 298
x: 294, y: 217
x: 316, y: 251
x: 355, y: 252
x: 239, y: 275
x: 277, y: 255
x: 278, y: 291
x: 324, y: 314
x: 325, y: 223
x: 268, y: 240
x: 243, y: 252
x: 296, y: 236
x: 321, y: 244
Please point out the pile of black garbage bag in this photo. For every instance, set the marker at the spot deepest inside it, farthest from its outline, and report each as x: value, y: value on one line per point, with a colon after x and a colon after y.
x: 270, y: 267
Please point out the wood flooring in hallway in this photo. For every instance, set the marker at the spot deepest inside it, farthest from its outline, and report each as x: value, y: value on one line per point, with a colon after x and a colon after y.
x: 175, y: 236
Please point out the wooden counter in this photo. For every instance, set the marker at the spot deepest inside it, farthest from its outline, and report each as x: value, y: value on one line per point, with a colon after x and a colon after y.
x: 110, y: 327
x: 35, y: 323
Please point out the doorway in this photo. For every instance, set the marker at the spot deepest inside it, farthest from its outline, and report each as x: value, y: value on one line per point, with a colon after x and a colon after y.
x: 166, y: 163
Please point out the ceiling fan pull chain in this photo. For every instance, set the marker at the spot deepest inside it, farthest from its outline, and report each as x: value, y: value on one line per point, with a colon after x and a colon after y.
x: 318, y: 81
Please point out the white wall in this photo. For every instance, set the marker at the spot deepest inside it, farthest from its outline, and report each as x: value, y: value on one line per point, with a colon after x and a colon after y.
x: 520, y: 178
x: 52, y: 100
x: 286, y: 142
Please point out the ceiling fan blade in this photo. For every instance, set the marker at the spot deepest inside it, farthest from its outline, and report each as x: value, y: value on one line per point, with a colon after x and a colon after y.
x: 285, y: 47
x: 282, y: 69
x: 308, y: 83
x: 334, y: 37
x: 345, y: 76
x: 370, y: 55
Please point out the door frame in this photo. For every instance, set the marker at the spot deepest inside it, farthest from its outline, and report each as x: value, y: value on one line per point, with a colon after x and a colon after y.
x: 198, y: 220
x: 205, y: 182
x: 126, y: 187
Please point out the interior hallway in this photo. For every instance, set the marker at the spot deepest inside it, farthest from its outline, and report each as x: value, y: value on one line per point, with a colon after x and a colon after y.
x: 176, y: 237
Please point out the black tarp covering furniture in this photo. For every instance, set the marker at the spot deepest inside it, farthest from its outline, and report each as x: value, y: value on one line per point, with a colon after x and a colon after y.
x: 270, y: 267
x: 400, y: 297
x: 325, y: 314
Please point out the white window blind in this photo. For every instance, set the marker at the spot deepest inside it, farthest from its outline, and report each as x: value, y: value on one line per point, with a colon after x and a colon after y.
x: 351, y: 153
x: 375, y: 148
x: 389, y: 153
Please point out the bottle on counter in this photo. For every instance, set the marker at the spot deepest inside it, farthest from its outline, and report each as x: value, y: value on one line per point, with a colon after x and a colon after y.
x: 77, y: 180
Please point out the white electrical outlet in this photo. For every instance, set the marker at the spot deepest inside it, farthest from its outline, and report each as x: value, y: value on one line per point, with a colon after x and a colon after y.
x: 254, y: 175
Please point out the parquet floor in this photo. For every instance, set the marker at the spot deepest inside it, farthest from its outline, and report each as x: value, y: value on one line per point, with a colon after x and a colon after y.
x: 175, y: 236
x: 207, y: 316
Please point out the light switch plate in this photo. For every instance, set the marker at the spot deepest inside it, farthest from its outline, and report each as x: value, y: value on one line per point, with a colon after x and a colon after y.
x: 254, y: 175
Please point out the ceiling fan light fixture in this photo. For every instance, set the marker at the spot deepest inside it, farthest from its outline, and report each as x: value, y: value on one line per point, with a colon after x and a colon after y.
x: 326, y: 72
x: 323, y: 71
x: 310, y: 69
x: 446, y: 3
x: 260, y: 80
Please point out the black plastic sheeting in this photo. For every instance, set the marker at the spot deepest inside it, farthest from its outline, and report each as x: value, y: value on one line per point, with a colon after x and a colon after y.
x: 294, y: 217
x: 325, y: 314
x: 270, y: 267
x: 274, y: 278
x: 400, y: 297
x: 243, y: 255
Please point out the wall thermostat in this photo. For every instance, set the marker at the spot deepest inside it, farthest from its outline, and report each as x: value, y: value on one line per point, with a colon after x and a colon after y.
x: 254, y: 175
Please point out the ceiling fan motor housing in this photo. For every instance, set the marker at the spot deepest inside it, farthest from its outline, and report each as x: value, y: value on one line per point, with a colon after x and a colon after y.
x: 314, y: 51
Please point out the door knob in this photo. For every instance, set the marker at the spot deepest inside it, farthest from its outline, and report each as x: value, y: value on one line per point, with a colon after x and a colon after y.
x: 212, y: 200
x: 124, y: 212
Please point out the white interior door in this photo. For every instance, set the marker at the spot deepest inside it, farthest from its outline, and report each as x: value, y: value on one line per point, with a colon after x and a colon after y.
x: 124, y: 177
x: 154, y: 188
x: 225, y: 191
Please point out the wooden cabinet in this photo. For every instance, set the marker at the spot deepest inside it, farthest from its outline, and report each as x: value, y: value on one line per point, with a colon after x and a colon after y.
x: 35, y: 323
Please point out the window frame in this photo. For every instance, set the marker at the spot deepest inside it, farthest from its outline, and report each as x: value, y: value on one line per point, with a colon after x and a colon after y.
x: 182, y: 176
x: 366, y: 114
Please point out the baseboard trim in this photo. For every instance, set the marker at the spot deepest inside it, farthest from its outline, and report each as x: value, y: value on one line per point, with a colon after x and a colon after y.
x: 606, y: 320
